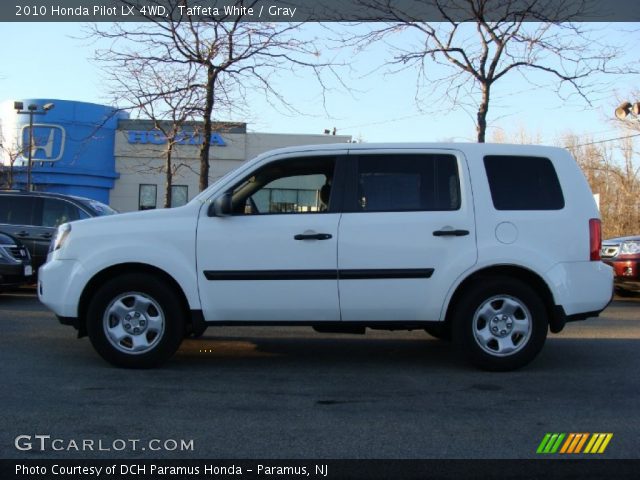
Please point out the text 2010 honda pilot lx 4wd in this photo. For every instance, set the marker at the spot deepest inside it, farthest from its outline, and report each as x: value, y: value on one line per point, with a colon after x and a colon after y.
x: 492, y: 245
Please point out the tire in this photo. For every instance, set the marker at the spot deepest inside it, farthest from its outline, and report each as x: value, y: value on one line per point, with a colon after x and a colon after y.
x: 135, y: 321
x: 500, y: 324
x: 197, y: 332
x: 624, y: 293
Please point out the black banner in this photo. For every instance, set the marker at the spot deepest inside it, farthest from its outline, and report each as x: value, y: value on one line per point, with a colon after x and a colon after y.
x: 315, y: 10
x: 317, y: 469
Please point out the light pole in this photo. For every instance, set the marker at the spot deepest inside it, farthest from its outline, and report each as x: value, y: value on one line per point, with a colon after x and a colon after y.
x: 31, y: 110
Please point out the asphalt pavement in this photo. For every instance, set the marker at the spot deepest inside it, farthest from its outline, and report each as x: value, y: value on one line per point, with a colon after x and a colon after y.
x: 265, y: 392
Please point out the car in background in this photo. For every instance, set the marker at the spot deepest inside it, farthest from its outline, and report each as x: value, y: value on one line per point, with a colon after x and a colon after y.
x: 15, y: 262
x: 623, y: 254
x: 32, y: 217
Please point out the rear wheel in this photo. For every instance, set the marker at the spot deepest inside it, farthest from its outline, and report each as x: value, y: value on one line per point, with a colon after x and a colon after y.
x: 135, y: 321
x: 500, y: 324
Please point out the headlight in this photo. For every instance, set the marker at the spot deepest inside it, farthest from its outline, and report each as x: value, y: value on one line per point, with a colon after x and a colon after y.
x: 630, y: 248
x: 61, y: 236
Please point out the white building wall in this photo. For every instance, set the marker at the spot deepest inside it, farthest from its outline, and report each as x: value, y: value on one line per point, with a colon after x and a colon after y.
x: 144, y: 163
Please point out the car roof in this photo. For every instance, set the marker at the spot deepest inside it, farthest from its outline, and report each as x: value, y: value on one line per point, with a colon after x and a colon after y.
x: 46, y: 194
x: 466, y: 147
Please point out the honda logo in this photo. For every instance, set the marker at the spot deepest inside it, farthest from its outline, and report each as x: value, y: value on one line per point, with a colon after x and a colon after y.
x: 48, y: 142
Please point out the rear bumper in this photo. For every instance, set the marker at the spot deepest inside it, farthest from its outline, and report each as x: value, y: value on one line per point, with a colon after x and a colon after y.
x: 581, y: 289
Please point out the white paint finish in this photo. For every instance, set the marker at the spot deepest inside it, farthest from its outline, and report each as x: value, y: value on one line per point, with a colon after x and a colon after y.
x: 164, y: 239
x: 581, y: 286
x: 391, y: 240
x: 506, y: 232
x: 265, y: 242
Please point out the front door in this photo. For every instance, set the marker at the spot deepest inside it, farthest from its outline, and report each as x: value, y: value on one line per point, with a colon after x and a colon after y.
x: 275, y: 257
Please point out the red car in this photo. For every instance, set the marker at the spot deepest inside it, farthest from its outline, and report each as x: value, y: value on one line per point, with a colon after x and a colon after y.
x: 623, y: 254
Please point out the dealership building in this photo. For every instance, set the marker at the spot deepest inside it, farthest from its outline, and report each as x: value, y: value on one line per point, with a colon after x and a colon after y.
x: 98, y: 152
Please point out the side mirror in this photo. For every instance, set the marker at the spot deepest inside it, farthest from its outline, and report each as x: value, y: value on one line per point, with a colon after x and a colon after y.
x: 221, y: 206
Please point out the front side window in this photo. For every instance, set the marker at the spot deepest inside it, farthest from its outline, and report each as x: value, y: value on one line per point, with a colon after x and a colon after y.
x: 402, y: 182
x: 301, y: 185
x: 523, y: 183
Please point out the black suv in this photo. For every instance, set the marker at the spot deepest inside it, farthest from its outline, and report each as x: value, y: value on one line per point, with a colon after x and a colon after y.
x: 33, y: 217
x: 15, y: 262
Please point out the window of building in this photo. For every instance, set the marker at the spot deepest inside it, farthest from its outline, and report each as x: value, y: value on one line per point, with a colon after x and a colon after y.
x: 179, y: 195
x: 407, y: 183
x: 300, y: 185
x: 147, y: 197
x: 523, y: 183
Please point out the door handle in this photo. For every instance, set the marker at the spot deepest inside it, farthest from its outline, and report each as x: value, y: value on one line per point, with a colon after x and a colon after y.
x: 313, y: 236
x: 22, y: 234
x: 450, y: 233
x: 45, y: 235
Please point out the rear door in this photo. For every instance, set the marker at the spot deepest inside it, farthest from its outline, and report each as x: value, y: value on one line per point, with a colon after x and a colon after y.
x: 406, y: 234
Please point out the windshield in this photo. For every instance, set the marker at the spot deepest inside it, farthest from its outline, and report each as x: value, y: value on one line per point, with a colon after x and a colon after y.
x: 101, y: 209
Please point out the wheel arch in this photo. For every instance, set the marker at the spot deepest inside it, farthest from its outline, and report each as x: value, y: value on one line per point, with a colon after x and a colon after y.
x: 130, y: 267
x: 556, y: 318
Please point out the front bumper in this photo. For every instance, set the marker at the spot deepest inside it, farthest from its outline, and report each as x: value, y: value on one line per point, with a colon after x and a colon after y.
x: 59, y: 283
x: 627, y: 273
x: 14, y: 274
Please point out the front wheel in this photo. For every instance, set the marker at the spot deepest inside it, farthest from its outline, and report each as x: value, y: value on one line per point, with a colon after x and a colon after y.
x: 500, y: 324
x: 135, y: 321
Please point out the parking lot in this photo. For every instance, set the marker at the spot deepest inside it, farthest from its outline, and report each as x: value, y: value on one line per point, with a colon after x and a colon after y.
x: 294, y: 393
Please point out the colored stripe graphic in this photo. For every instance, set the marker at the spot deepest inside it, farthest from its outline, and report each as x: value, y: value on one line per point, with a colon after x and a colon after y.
x: 598, y: 442
x: 577, y: 442
x: 550, y: 443
x: 574, y: 443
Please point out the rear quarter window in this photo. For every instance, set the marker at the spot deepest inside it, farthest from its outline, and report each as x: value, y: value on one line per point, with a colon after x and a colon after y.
x: 523, y: 183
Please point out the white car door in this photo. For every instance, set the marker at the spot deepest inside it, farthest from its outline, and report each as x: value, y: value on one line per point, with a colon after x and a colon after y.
x: 274, y: 258
x: 406, y: 234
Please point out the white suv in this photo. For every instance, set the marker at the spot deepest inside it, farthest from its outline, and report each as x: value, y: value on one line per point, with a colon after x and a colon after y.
x: 490, y: 245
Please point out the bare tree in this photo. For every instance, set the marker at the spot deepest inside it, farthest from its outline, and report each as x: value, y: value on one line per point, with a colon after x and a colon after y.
x: 232, y: 56
x: 9, y: 154
x: 481, y: 42
x: 614, y: 175
x: 149, y: 89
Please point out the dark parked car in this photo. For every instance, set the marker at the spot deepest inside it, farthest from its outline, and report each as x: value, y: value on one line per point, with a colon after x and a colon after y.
x: 33, y: 217
x: 623, y: 254
x: 15, y: 262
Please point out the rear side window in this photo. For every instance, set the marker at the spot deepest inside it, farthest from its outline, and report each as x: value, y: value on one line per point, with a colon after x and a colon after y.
x: 523, y: 183
x: 56, y: 212
x: 16, y: 210
x: 392, y: 183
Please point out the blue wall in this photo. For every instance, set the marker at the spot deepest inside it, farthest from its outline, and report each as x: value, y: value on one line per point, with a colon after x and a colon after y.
x: 74, y: 148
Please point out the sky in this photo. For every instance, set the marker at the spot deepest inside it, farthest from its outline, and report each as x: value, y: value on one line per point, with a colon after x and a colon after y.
x: 50, y: 60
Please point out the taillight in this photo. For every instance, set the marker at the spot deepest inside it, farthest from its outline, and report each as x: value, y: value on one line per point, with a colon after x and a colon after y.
x: 595, y: 238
